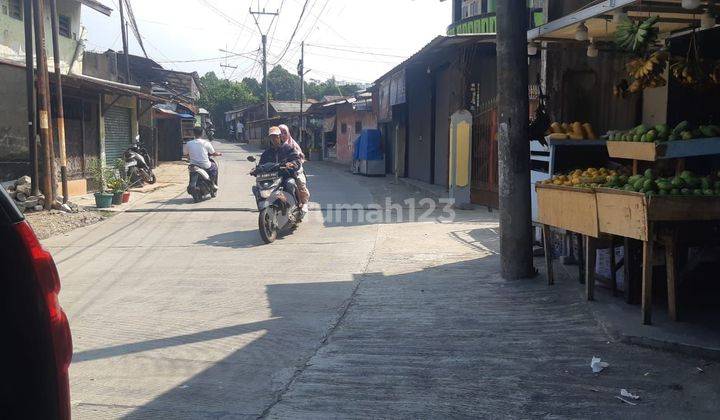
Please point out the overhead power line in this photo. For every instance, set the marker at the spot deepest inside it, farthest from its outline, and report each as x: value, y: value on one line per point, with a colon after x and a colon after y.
x: 199, y: 60
x: 355, y: 51
x: 297, y: 25
x: 134, y: 26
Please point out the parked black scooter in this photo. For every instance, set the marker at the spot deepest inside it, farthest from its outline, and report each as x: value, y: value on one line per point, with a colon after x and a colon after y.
x: 201, y: 184
x: 138, y: 166
x: 279, y: 210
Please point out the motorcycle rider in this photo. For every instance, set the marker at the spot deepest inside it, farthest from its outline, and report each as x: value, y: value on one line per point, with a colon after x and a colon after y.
x: 303, y: 192
x: 280, y: 152
x: 199, y: 151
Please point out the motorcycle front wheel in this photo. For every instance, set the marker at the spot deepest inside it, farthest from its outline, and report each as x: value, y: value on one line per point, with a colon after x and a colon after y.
x: 267, y: 224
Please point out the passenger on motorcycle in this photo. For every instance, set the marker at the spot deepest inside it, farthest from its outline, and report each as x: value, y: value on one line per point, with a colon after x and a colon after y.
x: 199, y: 151
x: 303, y: 192
x: 280, y: 152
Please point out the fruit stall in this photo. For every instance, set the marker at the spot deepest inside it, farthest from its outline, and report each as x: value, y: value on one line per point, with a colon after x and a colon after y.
x: 660, y: 184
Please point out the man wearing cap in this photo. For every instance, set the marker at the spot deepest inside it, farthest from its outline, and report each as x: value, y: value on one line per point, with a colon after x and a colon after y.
x: 280, y: 152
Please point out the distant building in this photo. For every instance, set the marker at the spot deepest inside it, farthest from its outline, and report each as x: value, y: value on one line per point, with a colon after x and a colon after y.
x: 103, y: 112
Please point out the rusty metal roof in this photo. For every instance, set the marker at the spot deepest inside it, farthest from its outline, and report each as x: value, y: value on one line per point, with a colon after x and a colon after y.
x: 96, y: 5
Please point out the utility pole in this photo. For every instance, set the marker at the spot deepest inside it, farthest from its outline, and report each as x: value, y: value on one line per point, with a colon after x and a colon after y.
x: 123, y: 34
x: 301, y: 72
x: 514, y: 146
x: 43, y: 103
x: 30, y: 93
x: 60, y: 113
x: 263, y: 37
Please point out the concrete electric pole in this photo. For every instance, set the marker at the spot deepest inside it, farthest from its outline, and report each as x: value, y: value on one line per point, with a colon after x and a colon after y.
x: 126, y: 51
x: 301, y: 73
x: 513, y: 143
x: 263, y: 37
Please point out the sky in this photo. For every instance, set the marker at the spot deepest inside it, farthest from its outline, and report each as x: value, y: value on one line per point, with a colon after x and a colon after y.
x: 353, y: 40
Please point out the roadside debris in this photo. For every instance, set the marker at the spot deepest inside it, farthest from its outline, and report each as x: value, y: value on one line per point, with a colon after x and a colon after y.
x: 624, y: 400
x: 699, y: 369
x: 20, y: 191
x: 627, y: 394
x: 598, y: 365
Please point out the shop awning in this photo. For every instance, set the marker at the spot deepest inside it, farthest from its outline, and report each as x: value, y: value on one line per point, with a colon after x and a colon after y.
x: 106, y: 86
x: 598, y: 17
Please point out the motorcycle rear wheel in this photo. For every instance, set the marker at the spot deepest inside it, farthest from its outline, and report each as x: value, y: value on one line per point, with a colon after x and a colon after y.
x: 267, y: 225
x: 148, y: 176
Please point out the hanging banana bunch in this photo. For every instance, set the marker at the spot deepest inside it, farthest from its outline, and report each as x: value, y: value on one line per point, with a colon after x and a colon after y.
x: 636, y: 36
x: 693, y: 71
x: 687, y: 72
x: 647, y: 72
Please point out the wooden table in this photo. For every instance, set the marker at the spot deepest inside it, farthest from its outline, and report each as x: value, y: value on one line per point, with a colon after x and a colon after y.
x: 649, y: 219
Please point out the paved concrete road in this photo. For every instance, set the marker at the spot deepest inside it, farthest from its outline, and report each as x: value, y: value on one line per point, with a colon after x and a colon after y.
x: 178, y: 311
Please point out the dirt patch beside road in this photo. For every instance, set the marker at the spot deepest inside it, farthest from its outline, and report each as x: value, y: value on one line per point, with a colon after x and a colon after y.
x: 54, y: 222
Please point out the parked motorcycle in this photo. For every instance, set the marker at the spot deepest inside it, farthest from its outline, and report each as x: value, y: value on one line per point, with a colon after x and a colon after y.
x: 201, y: 184
x: 210, y: 131
x: 138, y: 166
x: 279, y: 210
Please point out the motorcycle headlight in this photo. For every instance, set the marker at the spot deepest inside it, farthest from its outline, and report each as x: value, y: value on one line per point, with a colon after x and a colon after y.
x: 265, y: 193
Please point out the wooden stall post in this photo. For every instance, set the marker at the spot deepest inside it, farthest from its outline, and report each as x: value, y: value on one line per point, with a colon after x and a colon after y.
x: 670, y: 241
x: 647, y: 274
x: 547, y: 246
x: 590, y: 250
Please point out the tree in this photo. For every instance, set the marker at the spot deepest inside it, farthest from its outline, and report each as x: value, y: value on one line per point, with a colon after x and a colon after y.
x: 283, y: 85
x: 222, y: 95
x: 316, y: 89
x: 255, y: 87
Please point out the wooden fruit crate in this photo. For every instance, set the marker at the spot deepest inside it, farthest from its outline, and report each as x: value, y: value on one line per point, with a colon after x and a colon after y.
x: 573, y: 209
x: 672, y: 149
x: 629, y: 214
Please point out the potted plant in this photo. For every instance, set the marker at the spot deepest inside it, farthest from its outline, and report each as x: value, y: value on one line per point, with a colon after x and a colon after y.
x: 122, y: 176
x: 101, y: 174
x: 118, y: 186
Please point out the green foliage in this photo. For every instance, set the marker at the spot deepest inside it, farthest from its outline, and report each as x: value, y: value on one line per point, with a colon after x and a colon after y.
x: 222, y: 95
x: 100, y: 173
x: 117, y: 184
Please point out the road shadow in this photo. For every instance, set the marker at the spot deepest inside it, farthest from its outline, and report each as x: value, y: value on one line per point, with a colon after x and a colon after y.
x: 236, y: 240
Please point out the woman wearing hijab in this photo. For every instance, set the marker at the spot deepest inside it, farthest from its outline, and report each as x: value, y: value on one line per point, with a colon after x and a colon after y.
x: 303, y: 192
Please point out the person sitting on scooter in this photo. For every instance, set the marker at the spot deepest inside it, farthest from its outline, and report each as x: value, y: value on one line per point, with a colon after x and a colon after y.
x: 199, y: 151
x: 303, y: 192
x: 280, y: 152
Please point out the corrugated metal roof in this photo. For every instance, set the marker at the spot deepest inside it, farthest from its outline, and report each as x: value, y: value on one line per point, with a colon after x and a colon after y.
x: 96, y: 5
x: 288, y: 107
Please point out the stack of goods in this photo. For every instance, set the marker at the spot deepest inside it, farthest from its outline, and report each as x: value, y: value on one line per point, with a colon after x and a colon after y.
x: 574, y: 131
x: 685, y: 184
x: 661, y: 133
x: 588, y: 178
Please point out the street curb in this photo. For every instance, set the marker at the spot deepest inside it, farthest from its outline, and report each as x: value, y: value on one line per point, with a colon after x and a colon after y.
x: 616, y: 335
